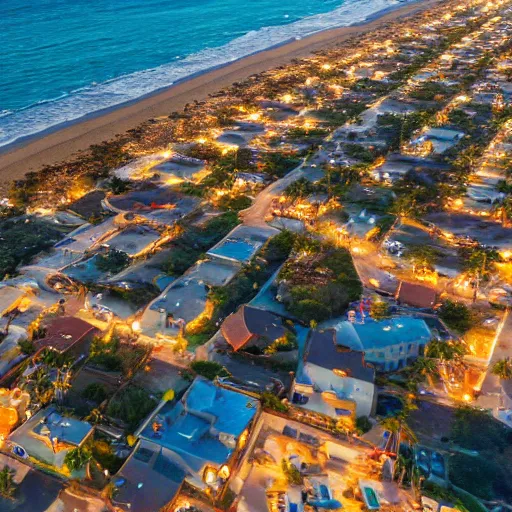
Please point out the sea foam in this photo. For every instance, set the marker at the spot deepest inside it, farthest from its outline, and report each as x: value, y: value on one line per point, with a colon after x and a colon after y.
x: 46, y: 114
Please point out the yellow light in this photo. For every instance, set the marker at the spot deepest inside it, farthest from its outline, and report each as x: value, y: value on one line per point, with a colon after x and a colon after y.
x: 255, y: 116
x: 326, y: 67
x: 466, y: 397
x: 210, y: 475
x: 167, y: 154
x: 201, y: 140
x: 136, y: 326
x: 224, y: 472
x: 374, y: 282
x: 287, y: 98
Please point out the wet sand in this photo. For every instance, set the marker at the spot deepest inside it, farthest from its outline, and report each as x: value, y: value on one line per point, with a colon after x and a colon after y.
x: 61, y: 143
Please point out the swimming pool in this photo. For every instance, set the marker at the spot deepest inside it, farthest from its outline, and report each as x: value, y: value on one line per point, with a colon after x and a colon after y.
x: 235, y: 249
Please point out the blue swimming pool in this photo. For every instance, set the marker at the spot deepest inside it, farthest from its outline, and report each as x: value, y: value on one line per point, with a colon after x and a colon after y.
x: 238, y: 250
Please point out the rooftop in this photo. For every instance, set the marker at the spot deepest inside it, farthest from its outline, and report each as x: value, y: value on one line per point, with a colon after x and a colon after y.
x: 40, y: 433
x: 416, y: 295
x: 322, y: 350
x: 374, y: 335
x: 203, y: 427
x: 63, y: 332
x: 148, y: 480
x: 240, y: 327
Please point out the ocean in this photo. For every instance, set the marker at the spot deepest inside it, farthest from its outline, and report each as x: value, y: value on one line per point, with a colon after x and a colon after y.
x: 64, y: 59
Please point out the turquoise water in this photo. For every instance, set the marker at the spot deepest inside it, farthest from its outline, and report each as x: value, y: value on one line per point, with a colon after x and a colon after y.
x: 63, y: 59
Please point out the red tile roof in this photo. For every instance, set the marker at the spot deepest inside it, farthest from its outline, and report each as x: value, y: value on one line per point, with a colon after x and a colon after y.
x: 63, y: 332
x: 415, y: 295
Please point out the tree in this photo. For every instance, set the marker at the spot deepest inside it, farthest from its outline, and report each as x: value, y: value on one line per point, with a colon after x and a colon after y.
x: 7, y: 485
x: 118, y: 186
x: 95, y: 416
x: 379, y: 310
x: 399, y: 431
x: 95, y: 392
x: 449, y: 355
x: 299, y: 189
x: 456, y: 315
x: 422, y: 257
x: 77, y: 458
x: 502, y: 369
x: 42, y: 386
x: 114, y: 261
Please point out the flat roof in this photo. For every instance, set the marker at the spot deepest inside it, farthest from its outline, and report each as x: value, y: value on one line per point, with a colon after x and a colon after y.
x: 192, y: 427
x: 148, y: 480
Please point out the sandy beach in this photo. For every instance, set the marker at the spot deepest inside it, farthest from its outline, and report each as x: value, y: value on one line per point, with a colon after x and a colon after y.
x: 60, y: 144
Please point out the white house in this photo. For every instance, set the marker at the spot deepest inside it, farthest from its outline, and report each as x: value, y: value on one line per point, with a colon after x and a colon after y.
x: 334, y: 380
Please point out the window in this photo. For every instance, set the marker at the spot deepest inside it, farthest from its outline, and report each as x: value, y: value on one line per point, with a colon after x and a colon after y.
x: 343, y: 412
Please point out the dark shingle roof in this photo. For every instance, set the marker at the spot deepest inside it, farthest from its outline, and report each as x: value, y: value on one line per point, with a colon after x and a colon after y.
x: 323, y: 351
x: 249, y: 322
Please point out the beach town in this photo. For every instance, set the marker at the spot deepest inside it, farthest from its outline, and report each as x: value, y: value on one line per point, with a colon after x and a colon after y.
x: 292, y: 295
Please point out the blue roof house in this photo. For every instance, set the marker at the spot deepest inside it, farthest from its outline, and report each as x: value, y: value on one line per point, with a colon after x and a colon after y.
x: 199, y: 438
x: 389, y: 344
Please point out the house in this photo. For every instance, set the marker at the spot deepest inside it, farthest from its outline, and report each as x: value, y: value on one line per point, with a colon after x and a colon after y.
x: 389, y: 345
x: 251, y: 326
x: 67, y: 334
x: 198, y: 440
x: 10, y: 299
x: 13, y: 406
x: 149, y: 480
x: 416, y: 295
x: 35, y: 490
x: 334, y: 380
x: 48, y: 436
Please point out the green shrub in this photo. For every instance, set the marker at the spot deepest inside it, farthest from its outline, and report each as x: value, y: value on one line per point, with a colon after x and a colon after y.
x: 234, y: 203
x: 131, y: 406
x: 27, y: 347
x: 110, y: 362
x: 308, y: 309
x: 95, y: 392
x: 114, y: 261
x: 271, y: 401
x: 456, y: 315
x: 209, y: 369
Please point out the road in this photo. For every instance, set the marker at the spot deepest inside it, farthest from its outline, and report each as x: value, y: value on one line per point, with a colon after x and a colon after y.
x: 491, y: 388
x: 255, y: 214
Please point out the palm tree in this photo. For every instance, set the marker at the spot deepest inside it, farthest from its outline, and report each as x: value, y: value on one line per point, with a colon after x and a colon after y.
x: 449, y: 356
x: 399, y: 431
x: 502, y: 369
x: 425, y: 368
x: 95, y: 416
x: 42, y: 386
x: 77, y: 458
x: 7, y: 485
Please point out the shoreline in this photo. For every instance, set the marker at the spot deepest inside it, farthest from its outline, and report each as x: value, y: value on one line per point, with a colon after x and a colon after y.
x: 60, y: 142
